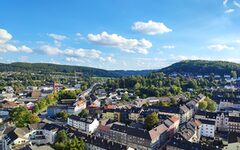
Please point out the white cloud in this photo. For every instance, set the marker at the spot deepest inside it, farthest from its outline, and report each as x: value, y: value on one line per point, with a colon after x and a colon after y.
x: 237, y: 41
x: 229, y: 11
x: 168, y: 46
x: 72, y: 52
x: 109, y: 59
x: 26, y: 49
x: 220, y: 47
x: 151, y: 27
x: 8, y: 48
x: 5, y: 37
x: 90, y: 53
x: 79, y: 36
x: 225, y: 2
x: 236, y: 4
x: 74, y: 60
x: 57, y: 36
x: 117, y: 41
x: 50, y: 50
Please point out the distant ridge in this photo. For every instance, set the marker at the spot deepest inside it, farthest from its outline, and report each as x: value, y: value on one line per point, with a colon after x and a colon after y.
x: 48, y: 68
x: 202, y: 67
x: 194, y: 67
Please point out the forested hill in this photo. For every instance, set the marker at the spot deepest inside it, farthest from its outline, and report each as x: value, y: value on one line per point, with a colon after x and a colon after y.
x: 46, y: 68
x: 202, y: 67
x: 132, y: 72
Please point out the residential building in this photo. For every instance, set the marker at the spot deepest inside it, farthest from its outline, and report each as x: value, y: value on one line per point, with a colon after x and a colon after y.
x: 17, y: 138
x: 208, y: 128
x: 87, y: 125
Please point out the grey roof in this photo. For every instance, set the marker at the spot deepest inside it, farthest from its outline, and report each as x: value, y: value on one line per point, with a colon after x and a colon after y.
x: 183, y: 109
x: 203, y: 121
x: 234, y: 119
x: 119, y: 127
x: 168, y: 122
x: 77, y: 118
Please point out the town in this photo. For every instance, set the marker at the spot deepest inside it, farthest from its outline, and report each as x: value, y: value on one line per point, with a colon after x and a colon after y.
x: 119, y: 75
x: 98, y: 117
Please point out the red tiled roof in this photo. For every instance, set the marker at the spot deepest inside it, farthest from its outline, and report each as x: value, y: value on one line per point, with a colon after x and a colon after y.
x: 10, y: 104
x: 103, y: 128
x: 174, y: 119
x: 110, y: 107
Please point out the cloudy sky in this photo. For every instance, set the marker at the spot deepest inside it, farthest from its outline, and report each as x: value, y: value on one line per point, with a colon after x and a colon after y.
x: 119, y: 34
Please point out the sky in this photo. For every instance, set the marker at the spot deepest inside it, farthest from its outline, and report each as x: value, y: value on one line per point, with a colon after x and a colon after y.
x: 119, y: 34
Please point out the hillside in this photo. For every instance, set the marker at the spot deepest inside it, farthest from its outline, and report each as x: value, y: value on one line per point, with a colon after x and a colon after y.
x: 202, y: 67
x: 47, y: 68
x: 132, y: 72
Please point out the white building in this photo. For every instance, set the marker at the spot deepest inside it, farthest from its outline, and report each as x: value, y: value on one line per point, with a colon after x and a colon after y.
x: 79, y: 106
x: 87, y: 125
x: 17, y: 138
x: 208, y: 128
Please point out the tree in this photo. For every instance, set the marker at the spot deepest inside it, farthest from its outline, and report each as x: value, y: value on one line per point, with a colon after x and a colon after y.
x: 203, y: 105
x: 234, y: 74
x: 59, y: 146
x: 36, y: 108
x: 63, y: 142
x: 208, y: 104
x: 34, y: 119
x: 162, y: 103
x: 20, y: 116
x: 212, y: 106
x: 137, y: 86
x: 62, y: 136
x: 124, y: 97
x: 173, y: 101
x: 151, y: 121
x: 62, y: 115
x: 83, y: 113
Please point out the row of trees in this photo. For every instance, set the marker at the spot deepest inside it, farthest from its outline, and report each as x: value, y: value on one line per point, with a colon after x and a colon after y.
x: 43, y: 103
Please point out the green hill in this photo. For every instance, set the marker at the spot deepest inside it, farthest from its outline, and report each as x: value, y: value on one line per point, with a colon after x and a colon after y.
x: 46, y: 68
x: 202, y: 67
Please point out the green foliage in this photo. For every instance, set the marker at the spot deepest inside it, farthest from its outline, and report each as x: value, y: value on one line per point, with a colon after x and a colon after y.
x: 164, y: 104
x: 43, y: 103
x: 66, y: 95
x: 173, y: 101
x: 234, y: 74
x: 62, y: 115
x: 63, y: 142
x: 34, y: 119
x: 83, y: 113
x: 22, y: 117
x: 202, y: 67
x: 212, y: 106
x: 203, y: 105
x: 125, y: 97
x: 62, y: 136
x: 137, y: 86
x: 151, y: 121
x: 50, y: 68
x: 208, y: 104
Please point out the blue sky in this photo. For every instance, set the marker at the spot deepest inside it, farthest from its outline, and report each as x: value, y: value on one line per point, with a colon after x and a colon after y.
x: 119, y: 34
